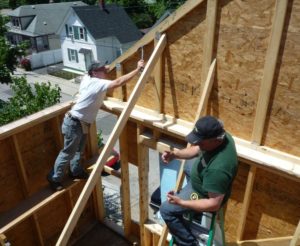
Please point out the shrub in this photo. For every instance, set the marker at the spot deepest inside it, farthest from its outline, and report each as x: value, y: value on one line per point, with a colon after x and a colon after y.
x: 27, y: 100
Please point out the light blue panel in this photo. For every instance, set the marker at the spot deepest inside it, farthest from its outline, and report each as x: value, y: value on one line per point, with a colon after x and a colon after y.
x: 168, y: 176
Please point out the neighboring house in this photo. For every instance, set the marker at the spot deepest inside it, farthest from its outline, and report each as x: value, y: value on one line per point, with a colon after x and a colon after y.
x: 92, y: 33
x: 39, y: 24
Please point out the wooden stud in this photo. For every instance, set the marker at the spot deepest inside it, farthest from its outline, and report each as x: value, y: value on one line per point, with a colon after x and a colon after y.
x: 20, y: 167
x: 269, y: 70
x: 246, y: 203
x: 38, y: 229
x: 3, y: 240
x: 98, y: 201
x: 143, y: 171
x: 296, y: 238
x: 147, y: 236
x: 125, y: 188
x: 91, y: 182
x: 93, y: 143
x: 158, y: 79
x: 209, y: 40
x: 122, y: 91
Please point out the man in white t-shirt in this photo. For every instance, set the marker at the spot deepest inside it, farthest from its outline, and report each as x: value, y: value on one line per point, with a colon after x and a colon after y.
x: 75, y: 126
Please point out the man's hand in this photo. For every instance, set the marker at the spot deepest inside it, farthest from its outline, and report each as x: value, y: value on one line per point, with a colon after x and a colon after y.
x: 141, y: 65
x: 167, y: 156
x: 173, y: 199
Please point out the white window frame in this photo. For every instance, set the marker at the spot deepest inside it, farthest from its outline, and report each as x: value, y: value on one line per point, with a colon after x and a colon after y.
x: 73, y: 55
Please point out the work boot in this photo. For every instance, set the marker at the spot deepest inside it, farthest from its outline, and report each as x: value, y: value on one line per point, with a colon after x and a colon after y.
x: 81, y: 175
x: 56, y: 186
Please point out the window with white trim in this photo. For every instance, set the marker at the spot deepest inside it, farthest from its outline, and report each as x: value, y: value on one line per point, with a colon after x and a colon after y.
x: 73, y: 55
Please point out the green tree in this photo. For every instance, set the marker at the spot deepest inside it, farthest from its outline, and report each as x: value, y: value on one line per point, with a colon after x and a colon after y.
x: 9, y: 59
x: 27, y: 100
x: 146, y: 14
x: 3, y: 29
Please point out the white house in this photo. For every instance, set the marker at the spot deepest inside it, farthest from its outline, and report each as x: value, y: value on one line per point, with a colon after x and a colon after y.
x: 99, y: 33
x: 39, y: 24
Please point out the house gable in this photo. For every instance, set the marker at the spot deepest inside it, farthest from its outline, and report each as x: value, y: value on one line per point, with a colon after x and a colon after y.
x: 40, y: 19
x: 83, y: 40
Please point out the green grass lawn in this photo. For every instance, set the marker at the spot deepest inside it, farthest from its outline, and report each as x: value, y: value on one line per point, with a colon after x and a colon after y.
x: 63, y: 74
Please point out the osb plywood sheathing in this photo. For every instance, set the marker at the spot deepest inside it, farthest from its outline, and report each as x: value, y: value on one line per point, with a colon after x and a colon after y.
x: 263, y: 102
x: 90, y: 184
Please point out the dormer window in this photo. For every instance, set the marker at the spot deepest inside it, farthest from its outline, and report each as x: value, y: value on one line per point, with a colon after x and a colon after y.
x: 16, y: 22
x: 81, y: 33
x: 70, y: 30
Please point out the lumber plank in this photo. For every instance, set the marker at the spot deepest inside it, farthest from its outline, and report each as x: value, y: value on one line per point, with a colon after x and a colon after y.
x: 246, y: 202
x: 158, y: 80
x: 125, y: 189
x: 200, y: 112
x: 121, y: 92
x: 296, y: 238
x: 98, y: 201
x: 143, y: 171
x: 209, y: 40
x: 93, y: 143
x: 269, y: 70
x: 66, y: 233
x: 21, y: 168
x: 38, y: 229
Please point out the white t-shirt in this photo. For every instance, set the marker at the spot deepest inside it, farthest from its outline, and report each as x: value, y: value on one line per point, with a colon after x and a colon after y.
x: 91, y: 94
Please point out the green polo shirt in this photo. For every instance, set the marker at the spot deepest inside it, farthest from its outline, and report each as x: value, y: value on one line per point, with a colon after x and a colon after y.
x: 214, y: 171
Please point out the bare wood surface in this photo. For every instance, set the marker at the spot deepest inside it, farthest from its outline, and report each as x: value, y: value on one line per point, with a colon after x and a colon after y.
x: 143, y: 171
x: 209, y: 41
x: 246, y: 202
x: 269, y: 70
x: 296, y: 238
x: 158, y: 80
x: 280, y: 241
x: 125, y: 188
x: 200, y: 111
x: 21, y: 169
x: 66, y: 233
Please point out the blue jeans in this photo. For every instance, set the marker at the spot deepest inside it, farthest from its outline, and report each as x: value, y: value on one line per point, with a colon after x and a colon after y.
x: 173, y: 216
x: 74, y: 143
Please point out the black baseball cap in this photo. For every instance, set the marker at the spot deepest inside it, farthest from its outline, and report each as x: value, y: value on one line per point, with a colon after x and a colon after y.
x: 96, y: 66
x: 205, y: 128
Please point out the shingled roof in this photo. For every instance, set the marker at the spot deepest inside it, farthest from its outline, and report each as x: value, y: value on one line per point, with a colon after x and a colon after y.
x: 110, y: 21
x: 47, y: 17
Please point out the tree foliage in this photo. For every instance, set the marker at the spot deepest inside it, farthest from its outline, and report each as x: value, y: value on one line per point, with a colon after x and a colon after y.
x: 27, y: 100
x: 9, y: 59
x: 144, y: 14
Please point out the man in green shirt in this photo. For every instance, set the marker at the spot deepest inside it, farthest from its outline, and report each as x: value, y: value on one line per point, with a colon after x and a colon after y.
x: 209, y: 178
